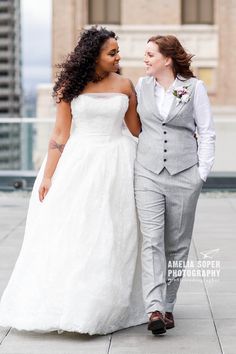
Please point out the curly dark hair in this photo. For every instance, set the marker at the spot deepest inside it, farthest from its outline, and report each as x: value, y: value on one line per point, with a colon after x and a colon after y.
x: 170, y: 46
x: 79, y: 67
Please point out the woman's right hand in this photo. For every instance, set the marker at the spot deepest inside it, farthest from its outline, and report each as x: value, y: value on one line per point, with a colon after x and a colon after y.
x: 44, y: 188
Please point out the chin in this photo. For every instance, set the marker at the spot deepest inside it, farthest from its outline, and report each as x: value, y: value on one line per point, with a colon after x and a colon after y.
x: 149, y: 73
x: 116, y: 70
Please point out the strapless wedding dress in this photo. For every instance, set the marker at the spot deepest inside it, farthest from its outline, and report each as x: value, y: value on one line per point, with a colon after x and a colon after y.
x: 79, y: 265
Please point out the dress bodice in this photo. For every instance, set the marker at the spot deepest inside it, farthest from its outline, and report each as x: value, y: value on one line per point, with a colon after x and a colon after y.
x: 99, y: 113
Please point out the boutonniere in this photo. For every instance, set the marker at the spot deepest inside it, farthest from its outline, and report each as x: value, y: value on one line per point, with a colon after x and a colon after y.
x: 181, y: 94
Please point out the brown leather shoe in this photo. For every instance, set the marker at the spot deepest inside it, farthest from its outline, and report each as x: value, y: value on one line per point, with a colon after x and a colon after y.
x: 169, y: 320
x: 156, y: 323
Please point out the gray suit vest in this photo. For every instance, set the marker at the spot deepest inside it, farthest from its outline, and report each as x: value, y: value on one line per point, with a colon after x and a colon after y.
x: 168, y: 143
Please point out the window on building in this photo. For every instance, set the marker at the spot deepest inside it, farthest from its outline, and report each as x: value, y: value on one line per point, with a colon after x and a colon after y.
x: 3, y: 98
x: 6, y: 22
x: 4, y: 110
x: 4, y: 135
x: 104, y: 11
x: 4, y: 35
x: 4, y: 61
x: 198, y: 11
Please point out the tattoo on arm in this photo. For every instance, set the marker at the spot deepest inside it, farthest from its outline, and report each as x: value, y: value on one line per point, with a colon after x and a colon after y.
x: 54, y: 145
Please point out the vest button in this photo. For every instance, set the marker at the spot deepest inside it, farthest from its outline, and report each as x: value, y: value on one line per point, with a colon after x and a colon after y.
x: 163, y: 123
x: 164, y: 160
x: 164, y: 132
x: 165, y: 150
x: 165, y: 141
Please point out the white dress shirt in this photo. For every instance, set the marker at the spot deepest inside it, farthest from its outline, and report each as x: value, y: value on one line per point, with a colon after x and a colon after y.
x: 202, y: 117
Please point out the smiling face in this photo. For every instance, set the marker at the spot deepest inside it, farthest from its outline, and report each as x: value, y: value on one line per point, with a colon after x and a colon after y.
x: 156, y: 63
x: 108, y: 59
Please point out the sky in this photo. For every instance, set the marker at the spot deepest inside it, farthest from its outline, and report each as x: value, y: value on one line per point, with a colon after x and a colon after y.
x: 36, y: 43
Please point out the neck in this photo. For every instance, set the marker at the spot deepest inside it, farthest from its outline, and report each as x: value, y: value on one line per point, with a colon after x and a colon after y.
x: 100, y: 75
x: 165, y: 79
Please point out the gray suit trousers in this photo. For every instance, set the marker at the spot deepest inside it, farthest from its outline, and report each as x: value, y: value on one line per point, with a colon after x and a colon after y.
x: 166, y: 207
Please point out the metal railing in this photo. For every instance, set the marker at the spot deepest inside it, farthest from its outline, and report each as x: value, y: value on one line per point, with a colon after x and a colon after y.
x: 24, y: 143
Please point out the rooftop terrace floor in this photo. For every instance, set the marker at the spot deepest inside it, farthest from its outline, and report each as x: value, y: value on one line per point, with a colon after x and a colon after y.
x: 205, y: 310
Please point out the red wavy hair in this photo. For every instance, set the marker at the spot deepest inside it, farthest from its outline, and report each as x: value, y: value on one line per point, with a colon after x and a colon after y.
x: 169, y: 46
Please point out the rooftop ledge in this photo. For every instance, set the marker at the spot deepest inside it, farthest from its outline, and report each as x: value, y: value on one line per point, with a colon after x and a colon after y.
x: 23, y: 180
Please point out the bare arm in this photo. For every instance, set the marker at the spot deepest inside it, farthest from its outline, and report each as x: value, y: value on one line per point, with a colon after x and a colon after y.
x: 59, y: 137
x: 131, y: 118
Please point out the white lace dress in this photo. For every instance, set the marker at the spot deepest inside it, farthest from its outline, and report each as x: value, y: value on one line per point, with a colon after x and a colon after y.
x: 79, y: 265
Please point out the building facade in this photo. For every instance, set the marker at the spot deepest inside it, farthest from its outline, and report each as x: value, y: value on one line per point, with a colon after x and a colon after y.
x: 10, y: 83
x: 206, y: 28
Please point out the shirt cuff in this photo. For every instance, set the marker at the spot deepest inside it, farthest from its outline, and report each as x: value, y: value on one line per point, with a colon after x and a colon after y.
x: 203, y: 173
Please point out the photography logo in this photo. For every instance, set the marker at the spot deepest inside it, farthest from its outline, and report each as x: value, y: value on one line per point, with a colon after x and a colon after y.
x: 207, y: 268
x: 210, y: 253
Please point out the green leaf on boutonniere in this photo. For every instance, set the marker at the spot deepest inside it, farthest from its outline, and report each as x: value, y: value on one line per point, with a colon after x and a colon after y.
x: 175, y: 93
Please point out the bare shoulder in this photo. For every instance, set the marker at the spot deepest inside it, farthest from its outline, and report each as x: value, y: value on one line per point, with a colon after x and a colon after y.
x: 63, y: 104
x: 122, y: 84
x: 126, y: 85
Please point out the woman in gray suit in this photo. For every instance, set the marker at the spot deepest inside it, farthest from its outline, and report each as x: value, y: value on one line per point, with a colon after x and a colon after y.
x: 170, y: 168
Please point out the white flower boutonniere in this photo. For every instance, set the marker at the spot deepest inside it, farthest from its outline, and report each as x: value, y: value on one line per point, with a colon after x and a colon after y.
x: 181, y: 94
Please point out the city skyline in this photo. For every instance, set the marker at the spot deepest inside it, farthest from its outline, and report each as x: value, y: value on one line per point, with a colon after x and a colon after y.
x: 36, y: 43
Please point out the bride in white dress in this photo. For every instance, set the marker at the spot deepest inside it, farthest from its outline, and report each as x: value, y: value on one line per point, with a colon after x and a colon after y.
x: 79, y: 266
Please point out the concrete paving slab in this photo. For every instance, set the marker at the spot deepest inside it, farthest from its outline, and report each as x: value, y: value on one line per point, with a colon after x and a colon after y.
x: 21, y: 342
x: 232, y: 202
x: 3, y: 284
x: 223, y: 287
x: 3, y: 333
x: 191, y: 298
x: 226, y: 329
x: 189, y: 337
x: 223, y: 306
x: 196, y: 311
x: 227, y: 274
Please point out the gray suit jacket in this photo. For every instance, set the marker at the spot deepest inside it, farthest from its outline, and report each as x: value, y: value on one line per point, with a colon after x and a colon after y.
x: 170, y: 143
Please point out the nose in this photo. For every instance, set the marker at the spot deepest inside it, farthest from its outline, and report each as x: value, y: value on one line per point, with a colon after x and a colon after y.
x: 118, y: 57
x: 145, y: 59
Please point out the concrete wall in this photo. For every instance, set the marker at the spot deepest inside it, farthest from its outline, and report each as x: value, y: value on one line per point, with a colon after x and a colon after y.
x: 152, y: 12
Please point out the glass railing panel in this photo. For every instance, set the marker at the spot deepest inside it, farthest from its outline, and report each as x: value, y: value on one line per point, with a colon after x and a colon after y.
x: 24, y: 142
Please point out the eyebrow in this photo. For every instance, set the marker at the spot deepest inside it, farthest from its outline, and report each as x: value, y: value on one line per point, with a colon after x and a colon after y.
x: 114, y: 49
